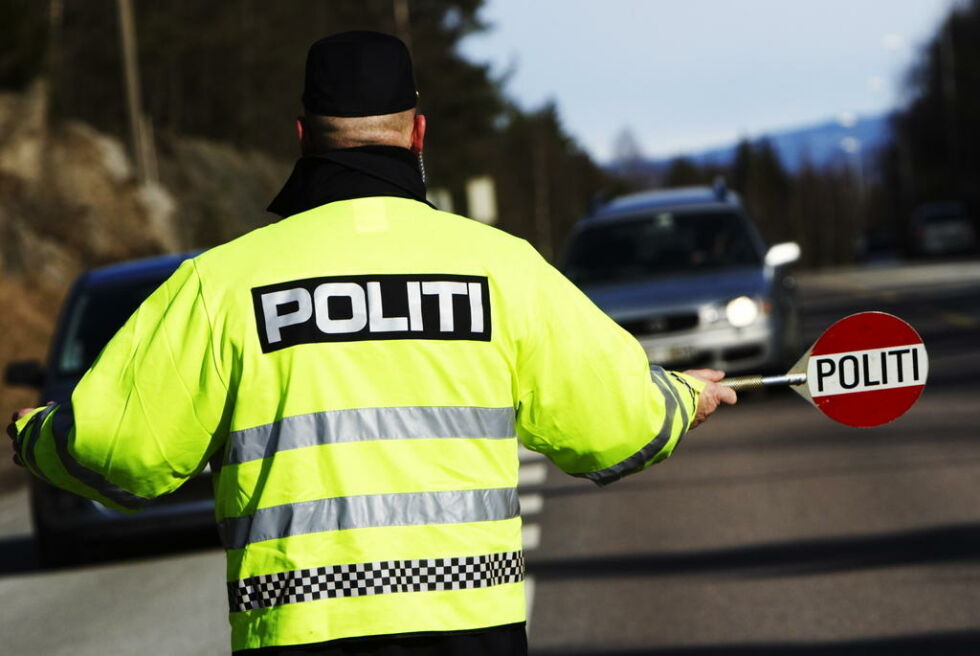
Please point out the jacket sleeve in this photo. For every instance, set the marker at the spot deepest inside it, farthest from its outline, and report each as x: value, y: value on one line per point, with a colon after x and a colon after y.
x: 588, y: 397
x: 149, y: 412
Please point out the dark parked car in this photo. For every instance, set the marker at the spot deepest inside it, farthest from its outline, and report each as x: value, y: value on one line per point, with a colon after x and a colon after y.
x: 98, y: 305
x: 687, y: 273
x: 945, y: 228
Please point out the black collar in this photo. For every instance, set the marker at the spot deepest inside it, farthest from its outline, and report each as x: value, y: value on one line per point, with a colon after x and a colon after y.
x: 349, y: 173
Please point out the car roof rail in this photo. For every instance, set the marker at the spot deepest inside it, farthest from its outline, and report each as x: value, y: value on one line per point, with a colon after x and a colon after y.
x: 720, y: 188
x: 598, y: 200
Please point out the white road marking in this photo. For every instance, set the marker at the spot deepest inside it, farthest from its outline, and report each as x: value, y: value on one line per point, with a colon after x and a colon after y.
x: 533, y: 471
x: 531, y: 504
x: 531, y: 534
x: 533, y: 474
x: 959, y: 319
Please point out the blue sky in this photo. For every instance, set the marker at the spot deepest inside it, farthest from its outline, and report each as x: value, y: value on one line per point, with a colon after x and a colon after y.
x: 687, y: 74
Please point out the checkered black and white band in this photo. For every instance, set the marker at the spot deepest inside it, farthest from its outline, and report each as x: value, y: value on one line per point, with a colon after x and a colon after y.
x: 360, y: 579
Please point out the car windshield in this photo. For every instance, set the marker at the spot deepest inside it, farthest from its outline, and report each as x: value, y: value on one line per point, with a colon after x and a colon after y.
x: 97, y: 314
x: 661, y: 244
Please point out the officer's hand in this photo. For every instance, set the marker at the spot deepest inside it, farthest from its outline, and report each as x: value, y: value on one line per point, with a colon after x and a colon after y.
x: 12, y: 429
x: 712, y: 395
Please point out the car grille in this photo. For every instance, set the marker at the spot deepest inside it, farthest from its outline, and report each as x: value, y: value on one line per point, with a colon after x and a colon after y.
x: 664, y: 324
x: 742, y: 352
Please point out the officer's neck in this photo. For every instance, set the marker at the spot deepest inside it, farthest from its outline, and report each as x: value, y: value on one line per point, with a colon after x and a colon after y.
x: 348, y: 173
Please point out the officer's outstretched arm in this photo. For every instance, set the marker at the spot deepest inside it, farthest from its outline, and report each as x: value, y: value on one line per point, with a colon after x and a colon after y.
x: 588, y: 398
x: 147, y: 415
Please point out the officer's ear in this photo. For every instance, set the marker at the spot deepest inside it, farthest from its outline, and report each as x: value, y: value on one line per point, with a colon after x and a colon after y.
x: 302, y: 135
x: 418, y: 133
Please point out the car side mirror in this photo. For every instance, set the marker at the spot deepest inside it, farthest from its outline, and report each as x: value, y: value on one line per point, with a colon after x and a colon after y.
x: 24, y: 372
x: 782, y: 254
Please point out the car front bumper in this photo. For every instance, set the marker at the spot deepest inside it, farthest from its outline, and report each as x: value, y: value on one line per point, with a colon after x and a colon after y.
x: 730, y: 349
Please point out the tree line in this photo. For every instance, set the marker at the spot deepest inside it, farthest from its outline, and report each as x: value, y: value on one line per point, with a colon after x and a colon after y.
x: 934, y: 154
x: 233, y: 71
x: 840, y: 215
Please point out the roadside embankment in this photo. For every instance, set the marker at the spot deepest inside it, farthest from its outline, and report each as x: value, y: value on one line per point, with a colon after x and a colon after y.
x: 70, y: 200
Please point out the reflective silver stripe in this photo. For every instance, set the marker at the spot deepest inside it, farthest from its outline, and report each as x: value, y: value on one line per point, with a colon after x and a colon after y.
x: 657, y: 372
x: 32, y: 431
x: 61, y: 425
x: 690, y: 390
x: 636, y: 461
x: 333, y: 426
x: 384, y: 577
x: 404, y: 509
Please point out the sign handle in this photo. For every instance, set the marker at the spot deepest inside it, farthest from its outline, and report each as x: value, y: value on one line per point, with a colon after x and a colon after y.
x: 755, y: 382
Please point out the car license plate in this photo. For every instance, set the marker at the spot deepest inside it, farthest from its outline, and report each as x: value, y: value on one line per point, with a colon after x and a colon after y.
x: 668, y: 354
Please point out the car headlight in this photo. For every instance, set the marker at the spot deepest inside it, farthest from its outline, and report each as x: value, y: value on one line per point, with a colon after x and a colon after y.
x: 742, y: 311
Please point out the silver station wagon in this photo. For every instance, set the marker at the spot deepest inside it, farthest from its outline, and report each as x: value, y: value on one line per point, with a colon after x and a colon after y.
x: 686, y: 272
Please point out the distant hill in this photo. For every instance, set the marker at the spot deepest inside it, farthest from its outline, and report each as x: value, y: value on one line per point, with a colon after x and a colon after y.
x: 822, y: 144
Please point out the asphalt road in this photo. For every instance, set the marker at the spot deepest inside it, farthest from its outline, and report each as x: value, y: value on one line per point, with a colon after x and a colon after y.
x: 774, y: 530
x: 771, y: 530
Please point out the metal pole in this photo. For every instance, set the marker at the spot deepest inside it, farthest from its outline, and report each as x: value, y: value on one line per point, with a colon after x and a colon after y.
x: 542, y: 184
x: 403, y: 23
x: 947, y: 55
x: 756, y: 382
x: 127, y: 32
x: 56, y: 12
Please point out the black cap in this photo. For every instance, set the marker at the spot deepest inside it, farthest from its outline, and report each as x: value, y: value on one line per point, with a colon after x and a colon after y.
x: 359, y: 74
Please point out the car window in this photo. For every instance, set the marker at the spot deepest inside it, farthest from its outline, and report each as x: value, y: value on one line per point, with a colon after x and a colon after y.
x: 96, y: 315
x: 661, y: 244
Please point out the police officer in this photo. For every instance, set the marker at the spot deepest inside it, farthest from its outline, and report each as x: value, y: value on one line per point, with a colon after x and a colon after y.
x: 359, y: 375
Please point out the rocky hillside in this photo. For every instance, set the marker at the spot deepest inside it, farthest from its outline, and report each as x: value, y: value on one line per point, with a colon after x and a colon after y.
x: 69, y: 200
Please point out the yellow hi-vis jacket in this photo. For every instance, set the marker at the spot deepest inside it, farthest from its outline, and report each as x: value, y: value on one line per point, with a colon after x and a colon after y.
x: 362, y: 372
